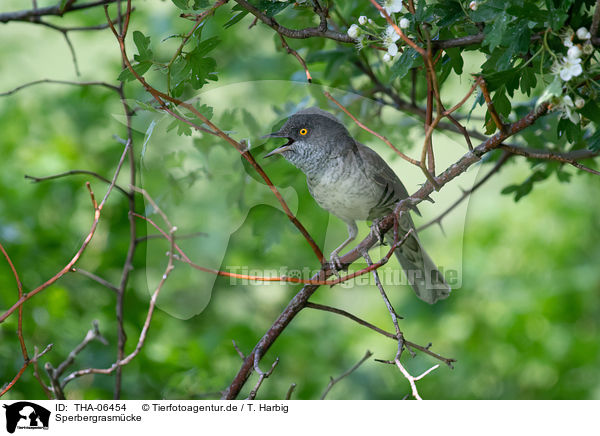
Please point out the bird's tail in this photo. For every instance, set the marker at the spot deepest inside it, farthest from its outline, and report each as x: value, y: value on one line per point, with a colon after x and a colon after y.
x: 422, y: 274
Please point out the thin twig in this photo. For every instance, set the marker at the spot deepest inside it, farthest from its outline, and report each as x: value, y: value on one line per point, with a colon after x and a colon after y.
x: 407, y: 343
x: 333, y: 381
x: 23, y: 368
x: 59, y: 82
x: 72, y: 173
x: 262, y: 376
x: 294, y: 53
x: 161, y: 98
x: 95, y: 278
x: 297, y: 303
x: 372, y: 132
x: 86, y: 241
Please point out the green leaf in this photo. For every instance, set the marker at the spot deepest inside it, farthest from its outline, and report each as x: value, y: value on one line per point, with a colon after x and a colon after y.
x: 181, y: 4
x: 206, y: 46
x: 180, y: 70
x: 182, y: 127
x: 448, y: 13
x: 572, y: 131
x: 142, y: 43
x: 502, y: 103
x: 591, y: 110
x: 552, y: 90
x: 594, y: 141
x: 235, y: 19
x: 495, y: 32
x: 141, y: 68
x: 528, y: 80
x: 456, y: 59
x: 525, y: 188
x: 202, y: 70
x: 499, y: 79
x: 200, y: 4
x: 404, y: 63
x: 271, y: 8
x: 205, y: 110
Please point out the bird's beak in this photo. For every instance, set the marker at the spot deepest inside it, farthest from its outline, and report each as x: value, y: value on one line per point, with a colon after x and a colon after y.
x: 281, y: 149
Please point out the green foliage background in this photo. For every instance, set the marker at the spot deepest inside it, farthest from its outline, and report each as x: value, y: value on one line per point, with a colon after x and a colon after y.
x: 524, y: 325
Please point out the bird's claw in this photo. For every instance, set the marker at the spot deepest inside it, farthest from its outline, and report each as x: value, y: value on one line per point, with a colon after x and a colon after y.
x: 375, y: 232
x: 335, y: 264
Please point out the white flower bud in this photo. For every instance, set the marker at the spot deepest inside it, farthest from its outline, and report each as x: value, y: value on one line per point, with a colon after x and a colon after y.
x: 404, y: 23
x: 579, y: 102
x: 574, y: 52
x: 473, y: 5
x: 588, y: 48
x: 354, y: 31
x: 362, y: 20
x: 370, y: 21
x: 583, y: 33
x: 392, y: 49
x: 387, y: 57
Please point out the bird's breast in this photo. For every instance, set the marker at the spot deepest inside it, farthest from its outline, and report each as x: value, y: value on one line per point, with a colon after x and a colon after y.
x: 344, y: 190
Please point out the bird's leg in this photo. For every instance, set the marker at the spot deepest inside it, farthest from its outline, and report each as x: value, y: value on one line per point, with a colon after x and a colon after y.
x: 335, y: 263
x: 375, y: 232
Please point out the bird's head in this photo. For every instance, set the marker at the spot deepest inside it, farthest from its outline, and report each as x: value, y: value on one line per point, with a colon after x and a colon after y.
x: 313, y: 135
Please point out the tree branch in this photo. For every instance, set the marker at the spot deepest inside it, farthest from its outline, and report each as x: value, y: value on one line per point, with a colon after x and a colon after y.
x: 298, y: 302
x: 57, y: 10
x: 309, y: 32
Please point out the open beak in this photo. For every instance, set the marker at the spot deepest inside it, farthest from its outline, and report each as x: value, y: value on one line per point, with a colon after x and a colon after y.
x: 284, y: 147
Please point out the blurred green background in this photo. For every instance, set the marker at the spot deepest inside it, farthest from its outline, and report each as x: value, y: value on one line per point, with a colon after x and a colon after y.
x: 523, y: 325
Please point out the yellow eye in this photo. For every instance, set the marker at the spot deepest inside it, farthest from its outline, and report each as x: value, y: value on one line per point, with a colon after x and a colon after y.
x: 303, y: 132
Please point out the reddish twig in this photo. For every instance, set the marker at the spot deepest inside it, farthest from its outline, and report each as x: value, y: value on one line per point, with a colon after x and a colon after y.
x: 294, y: 53
x: 372, y: 132
x: 491, y: 109
x: 298, y: 302
x: 23, y: 368
x: 86, y: 241
x: 143, y: 334
x: 161, y: 98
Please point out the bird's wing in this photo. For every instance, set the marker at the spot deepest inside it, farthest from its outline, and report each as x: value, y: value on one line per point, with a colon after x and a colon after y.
x: 376, y: 168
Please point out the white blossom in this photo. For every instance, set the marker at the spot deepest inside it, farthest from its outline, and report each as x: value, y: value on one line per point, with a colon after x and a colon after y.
x: 390, y: 35
x: 583, y: 33
x: 579, y: 102
x: 567, y: 37
x: 567, y: 109
x: 404, y: 23
x: 588, y: 48
x: 392, y: 6
x: 574, y: 52
x: 362, y: 20
x: 389, y: 40
x: 387, y: 57
x: 473, y: 5
x: 354, y: 31
x: 568, y: 68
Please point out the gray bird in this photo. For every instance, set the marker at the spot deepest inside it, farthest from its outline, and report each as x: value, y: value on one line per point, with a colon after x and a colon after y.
x: 354, y: 183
